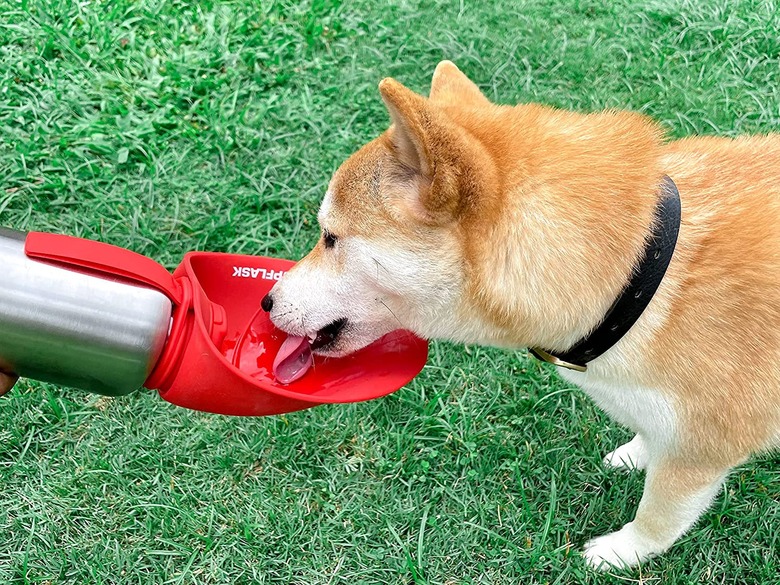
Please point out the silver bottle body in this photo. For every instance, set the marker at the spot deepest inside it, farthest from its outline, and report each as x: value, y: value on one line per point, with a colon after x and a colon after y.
x: 76, y: 329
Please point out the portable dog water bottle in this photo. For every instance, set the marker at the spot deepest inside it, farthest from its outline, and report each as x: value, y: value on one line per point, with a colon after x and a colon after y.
x: 102, y: 318
x: 66, y: 326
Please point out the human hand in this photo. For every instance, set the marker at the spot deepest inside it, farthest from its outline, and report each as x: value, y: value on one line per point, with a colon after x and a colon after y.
x: 7, y: 382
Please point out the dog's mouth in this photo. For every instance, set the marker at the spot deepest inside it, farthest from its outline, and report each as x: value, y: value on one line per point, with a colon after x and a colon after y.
x: 327, y: 335
x: 295, y: 356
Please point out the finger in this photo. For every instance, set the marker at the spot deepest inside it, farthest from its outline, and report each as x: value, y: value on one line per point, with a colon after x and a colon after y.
x: 7, y: 382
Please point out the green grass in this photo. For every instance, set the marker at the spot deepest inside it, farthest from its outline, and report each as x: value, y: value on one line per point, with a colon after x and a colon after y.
x: 173, y: 126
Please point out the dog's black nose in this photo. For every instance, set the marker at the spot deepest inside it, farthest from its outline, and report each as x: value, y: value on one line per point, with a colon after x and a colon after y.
x: 267, y: 303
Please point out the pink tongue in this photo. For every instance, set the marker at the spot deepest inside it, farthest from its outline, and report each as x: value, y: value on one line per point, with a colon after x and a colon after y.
x: 293, y: 359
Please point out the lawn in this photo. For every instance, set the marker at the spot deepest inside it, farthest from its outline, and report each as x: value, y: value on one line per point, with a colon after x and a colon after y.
x: 173, y: 126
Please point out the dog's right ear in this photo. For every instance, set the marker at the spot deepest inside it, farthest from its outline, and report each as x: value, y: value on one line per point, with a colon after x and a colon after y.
x: 450, y: 84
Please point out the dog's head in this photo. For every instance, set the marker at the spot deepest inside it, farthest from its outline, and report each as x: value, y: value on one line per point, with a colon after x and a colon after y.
x: 390, y: 254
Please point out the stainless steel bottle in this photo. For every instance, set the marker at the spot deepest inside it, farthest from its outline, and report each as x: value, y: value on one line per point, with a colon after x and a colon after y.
x: 76, y: 329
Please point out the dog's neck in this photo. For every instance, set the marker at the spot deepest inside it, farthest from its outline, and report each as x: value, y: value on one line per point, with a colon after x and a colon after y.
x: 638, y: 293
x: 559, y: 242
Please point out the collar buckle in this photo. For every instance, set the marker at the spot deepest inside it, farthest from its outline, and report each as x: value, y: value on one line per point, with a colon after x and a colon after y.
x: 539, y: 353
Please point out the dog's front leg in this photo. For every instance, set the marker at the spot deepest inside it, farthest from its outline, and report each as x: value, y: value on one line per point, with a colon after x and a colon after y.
x: 676, y: 494
x: 633, y: 455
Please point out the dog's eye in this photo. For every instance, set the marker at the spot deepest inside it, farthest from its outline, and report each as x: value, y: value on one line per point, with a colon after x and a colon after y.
x: 329, y: 239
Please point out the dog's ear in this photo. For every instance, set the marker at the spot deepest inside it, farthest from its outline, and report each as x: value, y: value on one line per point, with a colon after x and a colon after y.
x: 450, y: 84
x: 412, y: 128
x: 443, y: 171
x: 426, y: 144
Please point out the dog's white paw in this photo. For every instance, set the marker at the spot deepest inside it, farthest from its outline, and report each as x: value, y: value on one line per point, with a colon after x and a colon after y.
x: 631, y: 456
x: 621, y: 549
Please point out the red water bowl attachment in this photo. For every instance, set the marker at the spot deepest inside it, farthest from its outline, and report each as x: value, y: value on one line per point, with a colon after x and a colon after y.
x: 222, y: 349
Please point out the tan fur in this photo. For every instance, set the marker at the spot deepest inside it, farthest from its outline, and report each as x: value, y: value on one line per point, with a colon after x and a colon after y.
x: 546, y: 212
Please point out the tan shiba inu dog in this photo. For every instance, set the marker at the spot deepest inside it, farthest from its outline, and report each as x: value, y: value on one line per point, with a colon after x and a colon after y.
x: 519, y: 227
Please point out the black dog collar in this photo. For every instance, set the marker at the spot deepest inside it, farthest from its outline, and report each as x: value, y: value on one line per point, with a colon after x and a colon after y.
x: 627, y: 308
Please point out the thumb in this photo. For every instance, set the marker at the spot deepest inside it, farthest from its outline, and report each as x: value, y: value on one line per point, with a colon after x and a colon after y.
x: 7, y: 382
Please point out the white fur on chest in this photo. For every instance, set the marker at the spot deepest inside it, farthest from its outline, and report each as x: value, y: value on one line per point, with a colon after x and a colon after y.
x: 612, y: 383
x: 646, y: 411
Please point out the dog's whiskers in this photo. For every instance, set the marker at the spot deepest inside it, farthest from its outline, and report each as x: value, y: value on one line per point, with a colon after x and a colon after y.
x: 284, y: 314
x: 391, y: 312
x: 378, y: 266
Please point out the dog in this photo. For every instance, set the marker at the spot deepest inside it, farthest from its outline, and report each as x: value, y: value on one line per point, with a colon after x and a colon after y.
x: 520, y: 226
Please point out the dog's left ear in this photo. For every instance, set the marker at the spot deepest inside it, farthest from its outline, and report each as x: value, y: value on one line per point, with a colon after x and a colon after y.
x: 412, y: 126
x: 428, y: 145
